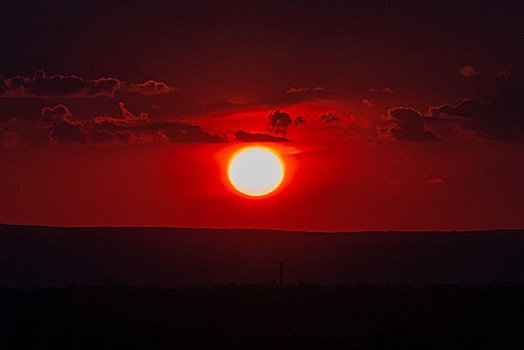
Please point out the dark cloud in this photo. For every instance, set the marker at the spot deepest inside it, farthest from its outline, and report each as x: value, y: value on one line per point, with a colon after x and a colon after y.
x: 24, y: 97
x: 172, y: 131
x: 499, y: 119
x: 349, y: 126
x: 58, y: 85
x: 411, y: 125
x: 68, y: 132
x: 126, y: 137
x: 187, y: 133
x: 299, y: 120
x: 245, y: 136
x: 126, y: 129
x: 55, y: 114
x: 155, y: 100
x: 115, y: 124
x: 330, y: 118
x: 281, y: 121
x: 128, y: 115
x: 151, y: 88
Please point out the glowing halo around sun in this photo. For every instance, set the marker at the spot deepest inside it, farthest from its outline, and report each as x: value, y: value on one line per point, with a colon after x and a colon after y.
x: 255, y: 171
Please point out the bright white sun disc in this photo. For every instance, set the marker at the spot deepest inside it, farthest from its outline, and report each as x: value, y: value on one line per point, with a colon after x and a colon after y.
x: 255, y: 171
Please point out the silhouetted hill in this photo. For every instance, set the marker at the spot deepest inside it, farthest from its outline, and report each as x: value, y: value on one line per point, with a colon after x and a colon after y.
x: 48, y: 256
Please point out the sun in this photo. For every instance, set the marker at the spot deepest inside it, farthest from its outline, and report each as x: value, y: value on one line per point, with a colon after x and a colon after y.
x: 255, y: 171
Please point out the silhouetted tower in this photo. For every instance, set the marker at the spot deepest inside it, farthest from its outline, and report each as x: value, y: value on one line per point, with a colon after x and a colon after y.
x: 281, y: 274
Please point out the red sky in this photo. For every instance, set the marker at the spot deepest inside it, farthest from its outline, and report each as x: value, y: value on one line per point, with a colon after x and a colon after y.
x: 411, y: 115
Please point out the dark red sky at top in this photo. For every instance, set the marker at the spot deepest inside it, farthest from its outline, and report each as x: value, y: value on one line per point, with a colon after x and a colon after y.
x: 125, y: 114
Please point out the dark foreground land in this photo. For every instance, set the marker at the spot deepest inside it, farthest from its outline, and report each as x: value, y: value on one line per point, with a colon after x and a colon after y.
x: 50, y: 256
x: 264, y: 317
x: 466, y: 289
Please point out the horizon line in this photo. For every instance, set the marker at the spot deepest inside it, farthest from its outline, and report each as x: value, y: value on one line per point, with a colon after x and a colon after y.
x: 96, y: 227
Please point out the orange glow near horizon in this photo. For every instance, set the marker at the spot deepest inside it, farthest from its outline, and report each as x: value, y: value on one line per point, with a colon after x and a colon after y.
x: 255, y: 171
